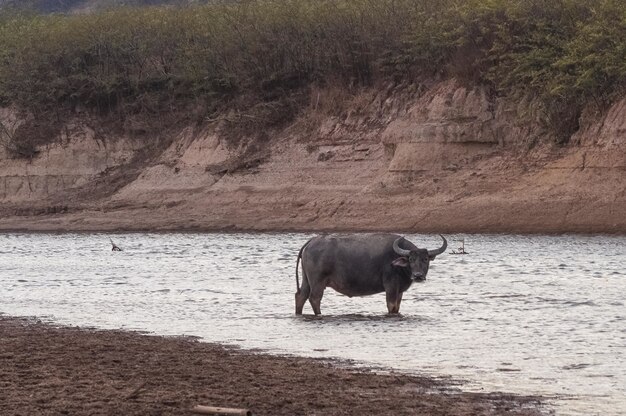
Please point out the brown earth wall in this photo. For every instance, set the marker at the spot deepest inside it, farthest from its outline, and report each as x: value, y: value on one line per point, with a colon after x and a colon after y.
x: 440, y: 157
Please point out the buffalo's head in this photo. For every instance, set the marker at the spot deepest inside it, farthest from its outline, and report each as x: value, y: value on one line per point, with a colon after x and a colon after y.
x: 417, y: 260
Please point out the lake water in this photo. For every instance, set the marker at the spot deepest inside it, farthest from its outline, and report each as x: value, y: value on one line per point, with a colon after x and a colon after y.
x: 522, y: 314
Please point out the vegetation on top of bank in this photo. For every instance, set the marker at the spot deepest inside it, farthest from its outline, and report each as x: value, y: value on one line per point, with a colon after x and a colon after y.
x: 85, y: 6
x: 260, y: 56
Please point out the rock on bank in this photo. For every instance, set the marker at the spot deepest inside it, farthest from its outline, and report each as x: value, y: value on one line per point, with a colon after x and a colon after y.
x: 435, y: 156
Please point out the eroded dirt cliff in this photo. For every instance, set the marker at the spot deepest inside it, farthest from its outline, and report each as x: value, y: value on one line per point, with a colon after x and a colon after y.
x: 433, y: 157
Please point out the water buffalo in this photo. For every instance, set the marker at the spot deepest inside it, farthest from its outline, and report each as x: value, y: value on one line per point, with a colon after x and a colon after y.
x: 361, y: 265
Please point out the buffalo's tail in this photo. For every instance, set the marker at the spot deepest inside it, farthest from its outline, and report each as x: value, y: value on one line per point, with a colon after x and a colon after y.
x: 298, y: 262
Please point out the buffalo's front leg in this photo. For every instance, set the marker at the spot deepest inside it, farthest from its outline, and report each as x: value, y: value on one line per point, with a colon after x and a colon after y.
x: 394, y: 297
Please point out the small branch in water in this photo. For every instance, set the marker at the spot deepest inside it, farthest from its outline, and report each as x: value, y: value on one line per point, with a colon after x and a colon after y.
x: 114, y: 247
x: 460, y: 250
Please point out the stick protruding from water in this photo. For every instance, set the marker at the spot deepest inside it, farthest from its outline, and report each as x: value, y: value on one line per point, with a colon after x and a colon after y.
x: 114, y: 247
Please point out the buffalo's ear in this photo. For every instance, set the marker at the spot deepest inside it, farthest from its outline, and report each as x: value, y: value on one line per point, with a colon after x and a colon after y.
x: 400, y: 262
x: 431, y: 258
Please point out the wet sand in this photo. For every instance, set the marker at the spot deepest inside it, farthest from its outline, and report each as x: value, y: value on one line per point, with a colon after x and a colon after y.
x: 51, y: 370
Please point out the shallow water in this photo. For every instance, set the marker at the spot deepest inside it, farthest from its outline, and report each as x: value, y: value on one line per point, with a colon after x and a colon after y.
x: 523, y: 314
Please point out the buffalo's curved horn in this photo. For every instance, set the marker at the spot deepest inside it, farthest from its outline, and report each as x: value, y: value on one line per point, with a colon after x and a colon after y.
x: 398, y: 250
x: 440, y: 250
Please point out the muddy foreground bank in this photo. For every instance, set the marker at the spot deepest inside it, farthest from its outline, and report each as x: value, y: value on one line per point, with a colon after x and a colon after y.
x: 50, y: 370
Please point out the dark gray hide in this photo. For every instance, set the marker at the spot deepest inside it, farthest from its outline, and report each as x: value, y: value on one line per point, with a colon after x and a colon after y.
x: 361, y: 265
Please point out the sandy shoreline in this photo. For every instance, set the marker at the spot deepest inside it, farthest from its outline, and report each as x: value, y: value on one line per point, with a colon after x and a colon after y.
x: 145, y: 222
x: 54, y: 370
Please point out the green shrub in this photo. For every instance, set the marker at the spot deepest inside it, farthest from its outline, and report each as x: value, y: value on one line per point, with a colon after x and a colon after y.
x: 562, y: 54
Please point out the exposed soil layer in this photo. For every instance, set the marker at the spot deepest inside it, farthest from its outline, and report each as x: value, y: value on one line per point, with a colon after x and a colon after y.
x: 445, y: 159
x: 51, y: 370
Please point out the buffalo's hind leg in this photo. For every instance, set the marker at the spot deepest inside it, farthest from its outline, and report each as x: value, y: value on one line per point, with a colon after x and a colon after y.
x: 302, y: 295
x: 316, y: 298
